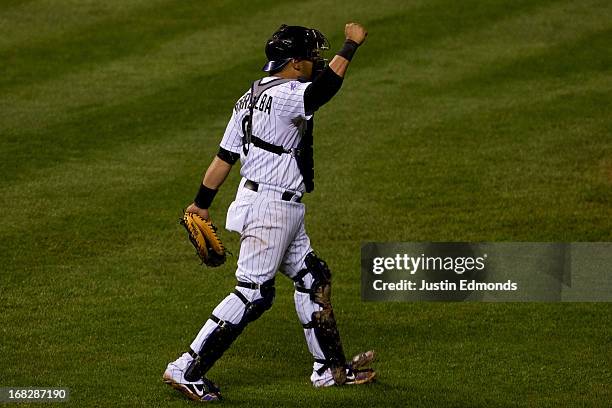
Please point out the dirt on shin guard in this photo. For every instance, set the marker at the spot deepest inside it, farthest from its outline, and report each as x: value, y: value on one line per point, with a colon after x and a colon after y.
x: 328, y: 336
x: 322, y: 295
x: 324, y: 322
x: 339, y: 374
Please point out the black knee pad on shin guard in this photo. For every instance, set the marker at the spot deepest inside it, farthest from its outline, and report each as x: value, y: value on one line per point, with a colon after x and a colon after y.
x: 320, y: 291
x: 253, y: 310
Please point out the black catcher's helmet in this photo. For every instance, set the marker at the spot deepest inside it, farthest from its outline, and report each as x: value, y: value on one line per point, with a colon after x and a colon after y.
x: 294, y: 42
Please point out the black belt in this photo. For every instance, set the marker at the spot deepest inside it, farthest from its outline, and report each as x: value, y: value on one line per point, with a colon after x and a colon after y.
x: 250, y: 285
x: 286, y: 196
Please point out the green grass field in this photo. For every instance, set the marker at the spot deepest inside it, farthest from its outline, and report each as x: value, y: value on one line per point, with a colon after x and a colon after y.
x: 459, y: 121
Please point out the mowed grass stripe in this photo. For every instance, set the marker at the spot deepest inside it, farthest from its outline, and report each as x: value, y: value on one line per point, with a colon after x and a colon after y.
x: 532, y: 188
x: 422, y: 79
x: 17, y: 147
x: 21, y: 141
x: 538, y: 185
x: 121, y: 127
x: 521, y: 167
x: 429, y: 9
x: 183, y: 103
x: 93, y: 231
x: 8, y: 5
x: 473, y: 186
x: 459, y: 339
x: 199, y: 52
x: 37, y: 106
x: 64, y: 99
x: 434, y: 21
x: 461, y: 66
x: 572, y: 61
x: 65, y: 239
x: 117, y: 171
x: 531, y: 155
x: 27, y: 22
x: 53, y: 205
x: 423, y: 144
x: 104, y: 316
x: 140, y: 32
x: 503, y: 85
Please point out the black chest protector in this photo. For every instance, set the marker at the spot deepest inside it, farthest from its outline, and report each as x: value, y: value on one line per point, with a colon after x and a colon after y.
x: 303, y: 154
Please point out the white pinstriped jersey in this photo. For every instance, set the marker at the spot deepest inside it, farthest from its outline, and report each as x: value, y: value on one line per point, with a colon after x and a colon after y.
x: 279, y: 118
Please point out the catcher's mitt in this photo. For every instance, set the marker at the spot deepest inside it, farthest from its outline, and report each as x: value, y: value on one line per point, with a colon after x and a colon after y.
x: 203, y: 236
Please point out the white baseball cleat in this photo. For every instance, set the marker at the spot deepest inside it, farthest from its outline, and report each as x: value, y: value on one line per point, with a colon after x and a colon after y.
x: 202, y: 390
x: 353, y: 377
x: 355, y: 372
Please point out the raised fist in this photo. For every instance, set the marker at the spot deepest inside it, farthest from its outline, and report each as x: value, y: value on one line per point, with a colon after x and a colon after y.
x: 355, y: 32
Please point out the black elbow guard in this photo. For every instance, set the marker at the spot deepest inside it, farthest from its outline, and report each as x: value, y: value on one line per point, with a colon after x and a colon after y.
x: 227, y: 156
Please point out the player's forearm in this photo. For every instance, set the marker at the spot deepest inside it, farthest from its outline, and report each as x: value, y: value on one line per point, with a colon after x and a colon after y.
x: 328, y: 83
x: 342, y: 59
x: 213, y: 178
x: 216, y: 173
x: 355, y: 35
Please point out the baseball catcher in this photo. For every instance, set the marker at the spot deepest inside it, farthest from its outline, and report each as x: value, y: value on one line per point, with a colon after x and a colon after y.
x: 271, y: 133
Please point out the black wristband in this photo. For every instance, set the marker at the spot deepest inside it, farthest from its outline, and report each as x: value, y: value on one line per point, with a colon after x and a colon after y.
x: 348, y: 49
x: 205, y: 197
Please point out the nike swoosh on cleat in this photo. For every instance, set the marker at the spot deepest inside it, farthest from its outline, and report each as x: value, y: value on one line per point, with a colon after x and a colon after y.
x: 197, y: 389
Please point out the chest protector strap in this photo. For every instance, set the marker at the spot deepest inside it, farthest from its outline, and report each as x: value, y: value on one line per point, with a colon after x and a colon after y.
x: 304, y: 152
x: 257, y: 89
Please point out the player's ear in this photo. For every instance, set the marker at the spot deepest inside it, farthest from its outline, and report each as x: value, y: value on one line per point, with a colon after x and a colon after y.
x: 296, y: 64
